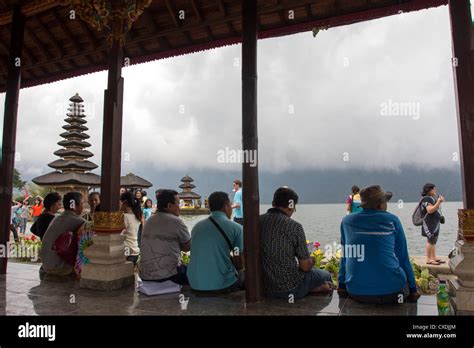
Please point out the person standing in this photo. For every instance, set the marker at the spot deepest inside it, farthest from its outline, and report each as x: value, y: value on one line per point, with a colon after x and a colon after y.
x: 13, y: 228
x: 132, y: 218
x: 139, y: 197
x: 148, y: 209
x: 353, y: 201
x: 430, y: 209
x: 237, y: 206
x: 37, y: 208
x: 94, y: 201
x: 24, y: 215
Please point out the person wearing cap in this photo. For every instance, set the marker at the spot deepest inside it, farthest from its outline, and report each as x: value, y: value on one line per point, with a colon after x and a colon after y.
x: 375, y: 266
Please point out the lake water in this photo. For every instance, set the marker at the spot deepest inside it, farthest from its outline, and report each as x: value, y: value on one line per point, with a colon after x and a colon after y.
x: 321, y: 223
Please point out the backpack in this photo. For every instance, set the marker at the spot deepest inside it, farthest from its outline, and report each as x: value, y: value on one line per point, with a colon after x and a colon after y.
x: 418, y: 217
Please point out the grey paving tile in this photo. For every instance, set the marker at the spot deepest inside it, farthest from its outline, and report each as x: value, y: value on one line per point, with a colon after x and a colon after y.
x: 352, y: 307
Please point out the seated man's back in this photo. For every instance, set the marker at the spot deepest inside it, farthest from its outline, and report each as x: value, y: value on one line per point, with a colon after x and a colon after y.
x: 375, y: 254
x: 283, y: 240
x: 210, y: 267
x: 69, y: 221
x: 375, y: 265
x: 162, y: 237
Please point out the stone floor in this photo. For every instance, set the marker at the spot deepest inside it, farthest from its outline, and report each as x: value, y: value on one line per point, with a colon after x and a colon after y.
x: 22, y: 293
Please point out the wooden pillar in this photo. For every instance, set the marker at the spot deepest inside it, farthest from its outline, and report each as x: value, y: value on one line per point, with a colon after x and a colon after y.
x: 108, y: 269
x: 112, y: 132
x: 461, y: 290
x: 463, y: 65
x: 250, y: 191
x: 7, y: 161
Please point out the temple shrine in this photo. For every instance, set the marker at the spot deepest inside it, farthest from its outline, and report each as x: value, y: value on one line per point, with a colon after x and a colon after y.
x: 189, y: 201
x: 73, y: 167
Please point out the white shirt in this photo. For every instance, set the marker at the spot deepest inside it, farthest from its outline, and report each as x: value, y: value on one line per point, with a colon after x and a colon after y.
x: 132, y: 225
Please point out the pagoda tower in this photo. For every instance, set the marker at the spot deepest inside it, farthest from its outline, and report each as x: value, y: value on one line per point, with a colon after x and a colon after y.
x: 72, y: 167
x: 188, y: 197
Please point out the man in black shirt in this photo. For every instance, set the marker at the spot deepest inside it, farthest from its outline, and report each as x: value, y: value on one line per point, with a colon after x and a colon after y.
x: 287, y: 265
x: 52, y: 203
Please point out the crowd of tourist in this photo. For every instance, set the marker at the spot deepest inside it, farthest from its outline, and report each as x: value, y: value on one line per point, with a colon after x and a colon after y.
x: 375, y: 265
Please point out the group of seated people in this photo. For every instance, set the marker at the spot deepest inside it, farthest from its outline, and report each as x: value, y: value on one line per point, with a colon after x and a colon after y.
x: 382, y: 274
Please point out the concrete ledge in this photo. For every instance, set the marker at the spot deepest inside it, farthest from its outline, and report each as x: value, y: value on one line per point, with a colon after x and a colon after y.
x: 438, y: 270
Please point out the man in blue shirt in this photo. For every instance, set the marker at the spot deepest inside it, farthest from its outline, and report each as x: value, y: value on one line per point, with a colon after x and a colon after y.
x: 210, y: 268
x: 375, y: 265
x: 237, y: 206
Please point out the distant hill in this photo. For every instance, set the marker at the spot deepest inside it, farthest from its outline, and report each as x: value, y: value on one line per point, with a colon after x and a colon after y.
x: 317, y: 186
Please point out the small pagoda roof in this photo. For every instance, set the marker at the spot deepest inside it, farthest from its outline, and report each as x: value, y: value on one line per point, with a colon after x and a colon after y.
x: 76, y: 98
x: 186, y: 186
x: 68, y: 143
x: 69, y: 178
x: 73, y: 164
x: 73, y: 153
x: 75, y: 119
x: 68, y: 135
x: 132, y: 181
x: 188, y: 195
x: 79, y: 127
x: 75, y: 115
x: 187, y: 178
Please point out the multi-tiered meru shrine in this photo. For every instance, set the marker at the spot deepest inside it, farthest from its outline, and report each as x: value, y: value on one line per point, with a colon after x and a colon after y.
x: 73, y: 167
x: 190, y: 202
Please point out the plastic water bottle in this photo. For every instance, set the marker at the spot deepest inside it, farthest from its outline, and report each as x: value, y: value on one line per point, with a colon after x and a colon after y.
x: 442, y: 299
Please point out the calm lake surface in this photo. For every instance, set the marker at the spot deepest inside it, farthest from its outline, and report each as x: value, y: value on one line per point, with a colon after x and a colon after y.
x: 321, y: 223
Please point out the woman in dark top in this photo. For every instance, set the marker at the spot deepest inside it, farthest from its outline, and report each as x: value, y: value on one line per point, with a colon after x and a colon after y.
x: 52, y: 203
x: 432, y: 221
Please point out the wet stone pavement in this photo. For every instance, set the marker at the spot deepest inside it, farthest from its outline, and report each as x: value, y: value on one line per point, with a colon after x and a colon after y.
x: 22, y: 293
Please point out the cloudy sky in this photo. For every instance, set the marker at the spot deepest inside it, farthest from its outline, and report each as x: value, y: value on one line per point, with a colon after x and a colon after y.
x: 374, y: 95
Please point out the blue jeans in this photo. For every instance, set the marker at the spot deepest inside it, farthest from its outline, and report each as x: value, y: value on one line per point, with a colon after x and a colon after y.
x: 310, y: 281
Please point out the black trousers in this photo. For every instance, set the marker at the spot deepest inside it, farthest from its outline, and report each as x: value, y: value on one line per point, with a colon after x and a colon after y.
x: 15, y: 232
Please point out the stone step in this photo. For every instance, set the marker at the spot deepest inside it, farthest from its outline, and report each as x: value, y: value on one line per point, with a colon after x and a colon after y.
x: 440, y: 270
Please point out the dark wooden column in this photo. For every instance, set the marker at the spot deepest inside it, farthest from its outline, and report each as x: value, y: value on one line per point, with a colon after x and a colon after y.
x: 112, y: 132
x: 9, y: 128
x: 250, y: 191
x: 463, y: 65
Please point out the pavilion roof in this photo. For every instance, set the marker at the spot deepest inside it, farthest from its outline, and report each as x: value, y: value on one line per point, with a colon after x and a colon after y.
x: 57, y: 47
x: 58, y: 178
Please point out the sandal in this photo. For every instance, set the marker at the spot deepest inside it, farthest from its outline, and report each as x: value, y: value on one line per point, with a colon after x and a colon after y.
x: 433, y: 262
x: 440, y: 261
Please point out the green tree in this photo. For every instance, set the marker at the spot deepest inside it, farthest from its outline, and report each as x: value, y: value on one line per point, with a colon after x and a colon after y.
x: 17, y: 182
x: 35, y: 190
